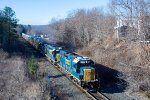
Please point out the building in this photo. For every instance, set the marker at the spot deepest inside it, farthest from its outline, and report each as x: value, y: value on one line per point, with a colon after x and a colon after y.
x: 138, y: 24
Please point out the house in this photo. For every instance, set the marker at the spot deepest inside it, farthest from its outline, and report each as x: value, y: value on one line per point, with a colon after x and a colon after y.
x: 138, y: 24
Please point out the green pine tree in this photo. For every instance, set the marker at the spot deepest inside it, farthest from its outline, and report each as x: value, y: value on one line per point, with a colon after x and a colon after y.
x: 8, y: 23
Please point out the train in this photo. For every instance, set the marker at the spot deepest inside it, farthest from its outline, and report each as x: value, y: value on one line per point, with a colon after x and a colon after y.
x: 78, y: 68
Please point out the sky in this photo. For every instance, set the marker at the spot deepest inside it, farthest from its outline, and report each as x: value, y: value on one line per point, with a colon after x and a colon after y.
x: 40, y: 12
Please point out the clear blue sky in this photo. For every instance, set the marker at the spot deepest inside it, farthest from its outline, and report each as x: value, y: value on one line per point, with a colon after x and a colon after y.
x: 41, y: 11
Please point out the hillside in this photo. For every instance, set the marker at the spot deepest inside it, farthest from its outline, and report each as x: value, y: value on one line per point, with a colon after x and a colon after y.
x: 15, y: 81
x: 130, y: 59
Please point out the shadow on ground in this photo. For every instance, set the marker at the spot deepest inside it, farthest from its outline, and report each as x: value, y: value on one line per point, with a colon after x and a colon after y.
x: 110, y: 80
x: 22, y: 48
x: 56, y: 76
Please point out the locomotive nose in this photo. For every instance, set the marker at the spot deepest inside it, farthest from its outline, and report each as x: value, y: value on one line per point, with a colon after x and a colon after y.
x: 89, y: 74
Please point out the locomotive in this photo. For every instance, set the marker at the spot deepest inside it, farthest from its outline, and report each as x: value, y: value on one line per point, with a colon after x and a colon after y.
x: 76, y: 67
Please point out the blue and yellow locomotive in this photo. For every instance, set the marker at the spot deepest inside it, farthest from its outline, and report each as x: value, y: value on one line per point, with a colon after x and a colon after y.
x: 78, y: 68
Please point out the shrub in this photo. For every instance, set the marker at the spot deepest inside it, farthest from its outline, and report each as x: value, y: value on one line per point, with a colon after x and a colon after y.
x: 32, y: 66
x: 147, y: 94
x: 85, y: 52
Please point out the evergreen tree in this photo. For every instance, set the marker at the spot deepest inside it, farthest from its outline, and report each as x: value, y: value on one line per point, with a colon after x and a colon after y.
x: 32, y: 67
x: 8, y: 23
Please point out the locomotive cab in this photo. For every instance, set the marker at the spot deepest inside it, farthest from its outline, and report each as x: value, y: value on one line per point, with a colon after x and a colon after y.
x: 85, y: 67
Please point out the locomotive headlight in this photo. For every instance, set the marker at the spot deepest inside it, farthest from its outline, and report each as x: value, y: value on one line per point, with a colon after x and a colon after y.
x: 60, y: 48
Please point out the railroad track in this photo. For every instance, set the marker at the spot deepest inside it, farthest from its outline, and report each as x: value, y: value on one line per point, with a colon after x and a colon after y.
x: 92, y: 96
x: 99, y: 96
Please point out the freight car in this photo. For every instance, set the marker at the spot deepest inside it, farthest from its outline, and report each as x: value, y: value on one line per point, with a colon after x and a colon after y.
x: 78, y: 68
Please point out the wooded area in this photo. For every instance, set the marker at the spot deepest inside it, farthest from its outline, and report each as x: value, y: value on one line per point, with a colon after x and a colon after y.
x: 82, y: 26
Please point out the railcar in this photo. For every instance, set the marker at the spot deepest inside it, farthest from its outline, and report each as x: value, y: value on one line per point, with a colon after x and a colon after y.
x: 51, y: 51
x: 26, y: 37
x: 78, y: 68
x: 35, y: 41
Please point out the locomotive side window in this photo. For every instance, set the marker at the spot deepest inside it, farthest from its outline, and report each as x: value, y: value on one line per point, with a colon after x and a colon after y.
x: 78, y: 68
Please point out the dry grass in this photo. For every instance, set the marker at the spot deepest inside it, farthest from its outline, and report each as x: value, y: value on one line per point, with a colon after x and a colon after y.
x: 85, y: 52
x: 14, y: 83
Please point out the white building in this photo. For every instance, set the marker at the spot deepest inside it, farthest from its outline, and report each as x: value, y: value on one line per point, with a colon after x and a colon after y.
x: 123, y: 24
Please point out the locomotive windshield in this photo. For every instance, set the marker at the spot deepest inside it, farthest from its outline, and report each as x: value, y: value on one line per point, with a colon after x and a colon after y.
x: 56, y: 51
x: 85, y: 62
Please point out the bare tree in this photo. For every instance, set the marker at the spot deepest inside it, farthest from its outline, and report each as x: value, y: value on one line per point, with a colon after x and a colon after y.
x: 132, y: 13
x: 82, y: 27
